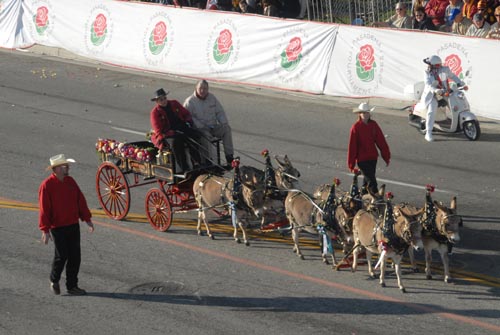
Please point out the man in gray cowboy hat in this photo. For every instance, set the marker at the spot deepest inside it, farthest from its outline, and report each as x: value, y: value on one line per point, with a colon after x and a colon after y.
x: 172, y: 124
x: 62, y: 204
x: 364, y: 139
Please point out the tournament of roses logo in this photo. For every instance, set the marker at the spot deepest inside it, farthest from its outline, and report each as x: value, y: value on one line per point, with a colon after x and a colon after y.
x: 98, y: 29
x: 365, y: 64
x: 456, y: 57
x: 292, y: 55
x: 223, y: 46
x: 158, y: 39
x: 42, y: 19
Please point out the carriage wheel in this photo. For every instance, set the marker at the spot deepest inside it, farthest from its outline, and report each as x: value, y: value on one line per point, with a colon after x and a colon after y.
x: 112, y: 191
x: 158, y: 210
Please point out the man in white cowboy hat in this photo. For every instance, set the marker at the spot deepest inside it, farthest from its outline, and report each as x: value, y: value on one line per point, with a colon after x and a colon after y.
x: 62, y: 204
x: 364, y: 139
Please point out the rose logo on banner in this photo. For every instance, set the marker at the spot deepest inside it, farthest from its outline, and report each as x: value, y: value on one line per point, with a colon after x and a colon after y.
x: 41, y: 19
x: 291, y: 56
x: 456, y: 57
x: 455, y: 64
x: 99, y: 30
x: 365, y: 63
x: 158, y: 38
x: 223, y: 47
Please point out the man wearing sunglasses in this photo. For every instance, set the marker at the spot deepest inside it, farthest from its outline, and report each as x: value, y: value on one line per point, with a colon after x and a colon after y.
x: 399, y: 20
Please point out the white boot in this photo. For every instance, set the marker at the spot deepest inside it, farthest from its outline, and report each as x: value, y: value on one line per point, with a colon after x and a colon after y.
x: 429, y: 121
x: 428, y: 136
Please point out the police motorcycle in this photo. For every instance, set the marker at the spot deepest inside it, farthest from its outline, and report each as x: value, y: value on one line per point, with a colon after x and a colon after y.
x: 453, y: 114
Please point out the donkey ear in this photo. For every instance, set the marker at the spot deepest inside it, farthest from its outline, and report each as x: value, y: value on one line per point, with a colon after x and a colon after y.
x: 278, y: 160
x: 381, y: 191
x: 287, y: 161
x: 438, y: 204
x: 453, y: 203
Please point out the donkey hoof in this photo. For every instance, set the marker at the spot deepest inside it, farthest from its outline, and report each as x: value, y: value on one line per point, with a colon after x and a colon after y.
x: 237, y: 240
x: 212, y: 236
x: 447, y: 280
x: 382, y: 284
x: 428, y: 277
x: 403, y: 290
x: 247, y: 243
x: 301, y: 257
x: 325, y: 261
x: 200, y: 233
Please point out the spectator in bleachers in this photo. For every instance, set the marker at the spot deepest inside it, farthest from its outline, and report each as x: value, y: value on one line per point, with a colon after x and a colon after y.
x: 435, y: 9
x: 479, y: 27
x: 448, y: 17
x: 399, y: 20
x: 469, y: 8
x: 271, y: 8
x: 484, y: 8
x: 243, y: 7
x: 421, y: 21
x: 495, y: 28
x: 460, y: 24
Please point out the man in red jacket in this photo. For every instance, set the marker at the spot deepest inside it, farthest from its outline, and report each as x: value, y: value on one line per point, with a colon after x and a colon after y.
x: 173, y: 125
x: 364, y: 139
x: 62, y: 205
x: 436, y: 9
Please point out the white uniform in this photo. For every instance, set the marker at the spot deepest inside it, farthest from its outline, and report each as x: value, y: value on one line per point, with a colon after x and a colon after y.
x: 435, y: 79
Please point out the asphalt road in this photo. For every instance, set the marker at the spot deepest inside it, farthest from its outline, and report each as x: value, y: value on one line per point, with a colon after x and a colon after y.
x: 143, y: 281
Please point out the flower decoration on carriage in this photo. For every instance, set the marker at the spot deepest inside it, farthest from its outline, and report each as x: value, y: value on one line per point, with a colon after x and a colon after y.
x: 115, y: 148
x: 430, y: 188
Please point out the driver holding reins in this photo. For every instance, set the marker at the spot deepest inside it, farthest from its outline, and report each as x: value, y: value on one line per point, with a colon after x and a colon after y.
x: 436, y: 86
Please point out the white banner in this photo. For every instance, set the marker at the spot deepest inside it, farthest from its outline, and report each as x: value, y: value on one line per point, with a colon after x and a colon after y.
x: 12, y: 32
x: 214, y: 45
x: 369, y: 62
x: 306, y: 56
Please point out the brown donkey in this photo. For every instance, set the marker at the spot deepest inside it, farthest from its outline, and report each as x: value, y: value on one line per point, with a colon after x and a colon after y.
x: 242, y: 200
x: 440, y: 230
x: 389, y: 236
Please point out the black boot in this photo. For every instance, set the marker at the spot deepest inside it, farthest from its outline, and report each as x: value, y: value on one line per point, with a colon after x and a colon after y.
x: 229, y: 160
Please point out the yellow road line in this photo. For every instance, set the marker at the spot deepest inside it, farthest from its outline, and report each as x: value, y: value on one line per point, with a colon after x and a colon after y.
x: 268, y: 236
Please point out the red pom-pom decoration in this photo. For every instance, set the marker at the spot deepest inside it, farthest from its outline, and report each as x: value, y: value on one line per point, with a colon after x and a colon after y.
x: 430, y: 188
x: 356, y: 171
x: 265, y: 152
x: 336, y: 181
x: 389, y: 195
x: 235, y: 163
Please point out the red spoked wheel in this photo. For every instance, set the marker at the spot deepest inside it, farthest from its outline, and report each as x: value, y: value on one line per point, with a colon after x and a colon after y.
x: 112, y: 191
x: 158, y: 210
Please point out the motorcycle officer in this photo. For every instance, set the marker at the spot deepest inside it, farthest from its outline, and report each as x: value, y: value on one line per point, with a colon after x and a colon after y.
x: 436, y: 86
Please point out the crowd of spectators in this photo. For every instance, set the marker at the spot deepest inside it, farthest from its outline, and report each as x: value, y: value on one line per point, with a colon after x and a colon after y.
x: 478, y: 18
x: 461, y: 17
x: 278, y: 8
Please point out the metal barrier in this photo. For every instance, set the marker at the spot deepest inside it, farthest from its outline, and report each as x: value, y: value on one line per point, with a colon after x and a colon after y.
x: 360, y: 12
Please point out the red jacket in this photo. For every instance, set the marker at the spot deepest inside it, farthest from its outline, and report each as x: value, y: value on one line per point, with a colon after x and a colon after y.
x: 161, y: 124
x: 363, y: 142
x: 436, y: 9
x: 61, y: 203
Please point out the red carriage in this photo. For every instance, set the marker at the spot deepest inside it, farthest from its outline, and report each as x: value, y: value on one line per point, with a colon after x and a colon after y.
x: 127, y: 165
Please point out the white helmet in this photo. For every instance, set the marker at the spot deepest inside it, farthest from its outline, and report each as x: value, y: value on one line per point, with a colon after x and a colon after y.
x: 435, y: 60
